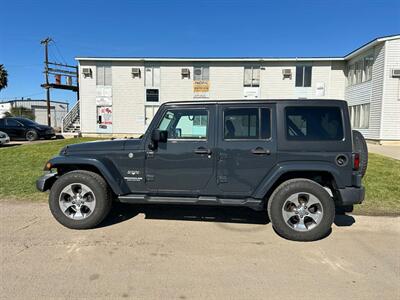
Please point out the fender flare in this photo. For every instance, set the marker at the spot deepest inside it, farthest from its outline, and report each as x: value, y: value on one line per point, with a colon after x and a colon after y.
x: 106, y: 168
x: 280, y: 169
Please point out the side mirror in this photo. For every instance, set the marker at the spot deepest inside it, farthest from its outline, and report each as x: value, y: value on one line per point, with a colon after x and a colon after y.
x: 159, y: 136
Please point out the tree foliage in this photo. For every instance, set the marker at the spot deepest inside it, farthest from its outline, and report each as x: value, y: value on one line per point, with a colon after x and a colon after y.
x: 3, y: 77
x: 23, y: 112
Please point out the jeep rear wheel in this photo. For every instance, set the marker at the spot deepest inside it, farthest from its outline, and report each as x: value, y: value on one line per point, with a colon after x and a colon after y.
x: 301, y: 210
x: 80, y: 199
x: 360, y: 146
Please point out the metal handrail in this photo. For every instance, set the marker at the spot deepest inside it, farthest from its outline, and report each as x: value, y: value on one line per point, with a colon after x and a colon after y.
x: 70, y: 117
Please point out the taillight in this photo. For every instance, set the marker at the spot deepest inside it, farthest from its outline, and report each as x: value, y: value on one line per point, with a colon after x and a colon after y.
x: 356, y: 161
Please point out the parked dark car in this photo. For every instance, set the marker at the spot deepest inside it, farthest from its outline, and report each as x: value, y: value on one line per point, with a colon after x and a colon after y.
x: 24, y: 129
x: 297, y: 160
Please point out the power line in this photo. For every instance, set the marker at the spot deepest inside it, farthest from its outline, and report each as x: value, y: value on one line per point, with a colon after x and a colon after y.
x: 59, y: 52
x: 25, y: 96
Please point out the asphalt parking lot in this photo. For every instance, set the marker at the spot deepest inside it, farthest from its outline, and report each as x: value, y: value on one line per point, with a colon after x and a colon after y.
x: 191, y: 253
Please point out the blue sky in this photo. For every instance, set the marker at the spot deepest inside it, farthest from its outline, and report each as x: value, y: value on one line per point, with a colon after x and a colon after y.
x: 180, y: 28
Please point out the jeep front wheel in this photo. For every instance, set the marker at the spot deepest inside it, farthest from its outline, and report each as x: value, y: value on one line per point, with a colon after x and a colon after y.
x: 80, y: 199
x: 301, y: 210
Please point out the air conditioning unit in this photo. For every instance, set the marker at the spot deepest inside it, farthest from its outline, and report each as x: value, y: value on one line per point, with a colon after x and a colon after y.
x: 396, y: 73
x: 136, y: 72
x: 287, y: 73
x: 87, y: 72
x: 185, y: 72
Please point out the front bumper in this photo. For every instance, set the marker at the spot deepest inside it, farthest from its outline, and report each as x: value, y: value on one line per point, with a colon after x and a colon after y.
x: 4, y: 141
x: 351, y: 195
x: 45, y: 182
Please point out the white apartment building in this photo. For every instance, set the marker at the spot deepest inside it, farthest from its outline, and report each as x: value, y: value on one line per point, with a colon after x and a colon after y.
x: 119, y: 96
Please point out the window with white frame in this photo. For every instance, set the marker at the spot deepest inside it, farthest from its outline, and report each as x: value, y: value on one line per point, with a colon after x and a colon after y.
x: 303, y: 76
x: 360, y: 71
x: 368, y: 62
x: 103, y: 75
x: 359, y: 115
x: 251, y: 76
x: 350, y: 75
x: 201, y: 73
x: 152, y: 76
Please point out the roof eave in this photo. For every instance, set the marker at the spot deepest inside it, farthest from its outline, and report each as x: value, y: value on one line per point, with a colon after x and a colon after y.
x: 369, y: 45
x: 222, y: 59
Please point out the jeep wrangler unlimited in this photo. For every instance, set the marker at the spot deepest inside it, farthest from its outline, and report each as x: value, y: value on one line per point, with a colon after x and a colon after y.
x: 297, y: 159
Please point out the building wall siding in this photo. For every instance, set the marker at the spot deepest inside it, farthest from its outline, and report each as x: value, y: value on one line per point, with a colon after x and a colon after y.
x: 128, y: 98
x: 226, y: 82
x: 87, y: 95
x: 391, y: 95
x: 370, y: 91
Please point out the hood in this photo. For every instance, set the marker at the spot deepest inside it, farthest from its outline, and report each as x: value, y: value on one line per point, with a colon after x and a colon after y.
x: 95, y: 146
x: 42, y: 127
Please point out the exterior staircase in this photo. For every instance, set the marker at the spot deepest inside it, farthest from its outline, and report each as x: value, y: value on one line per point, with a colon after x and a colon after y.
x: 71, y: 122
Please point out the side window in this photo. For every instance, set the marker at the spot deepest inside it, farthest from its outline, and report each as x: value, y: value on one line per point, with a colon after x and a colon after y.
x: 265, y: 123
x: 314, y: 123
x: 241, y: 123
x: 185, y: 124
x: 12, y: 123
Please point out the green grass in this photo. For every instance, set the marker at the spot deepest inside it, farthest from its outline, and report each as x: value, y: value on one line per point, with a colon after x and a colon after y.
x: 382, y: 187
x: 20, y: 166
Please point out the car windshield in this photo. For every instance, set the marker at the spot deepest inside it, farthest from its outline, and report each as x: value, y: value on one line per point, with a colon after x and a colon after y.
x: 26, y: 121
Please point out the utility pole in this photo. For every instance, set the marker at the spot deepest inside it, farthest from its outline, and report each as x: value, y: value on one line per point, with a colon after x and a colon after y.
x: 46, y: 42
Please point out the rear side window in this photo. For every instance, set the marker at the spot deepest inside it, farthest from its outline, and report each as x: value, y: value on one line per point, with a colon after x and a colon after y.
x: 247, y: 123
x: 314, y: 123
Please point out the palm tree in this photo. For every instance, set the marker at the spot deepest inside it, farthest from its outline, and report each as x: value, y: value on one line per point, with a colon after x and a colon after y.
x: 3, y: 77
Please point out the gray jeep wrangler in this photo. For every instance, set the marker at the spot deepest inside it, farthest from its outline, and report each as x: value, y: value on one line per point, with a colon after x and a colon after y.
x: 297, y: 159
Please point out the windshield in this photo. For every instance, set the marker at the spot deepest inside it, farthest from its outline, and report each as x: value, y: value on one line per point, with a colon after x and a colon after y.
x: 26, y: 121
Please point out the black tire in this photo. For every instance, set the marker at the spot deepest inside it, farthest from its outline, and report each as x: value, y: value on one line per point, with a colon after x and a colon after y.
x: 31, y: 135
x: 100, y: 189
x: 277, y: 202
x: 360, y: 146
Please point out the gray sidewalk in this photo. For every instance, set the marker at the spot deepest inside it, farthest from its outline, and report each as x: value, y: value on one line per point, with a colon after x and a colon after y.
x: 390, y: 151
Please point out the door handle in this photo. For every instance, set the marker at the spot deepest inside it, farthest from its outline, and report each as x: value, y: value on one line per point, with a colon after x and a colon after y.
x: 202, y: 150
x: 260, y: 151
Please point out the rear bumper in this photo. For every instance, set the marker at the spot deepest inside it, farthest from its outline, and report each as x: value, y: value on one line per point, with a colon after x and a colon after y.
x: 45, y: 182
x: 351, y: 195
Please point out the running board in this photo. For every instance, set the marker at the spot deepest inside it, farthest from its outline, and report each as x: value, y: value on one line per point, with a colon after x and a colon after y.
x: 255, y: 204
